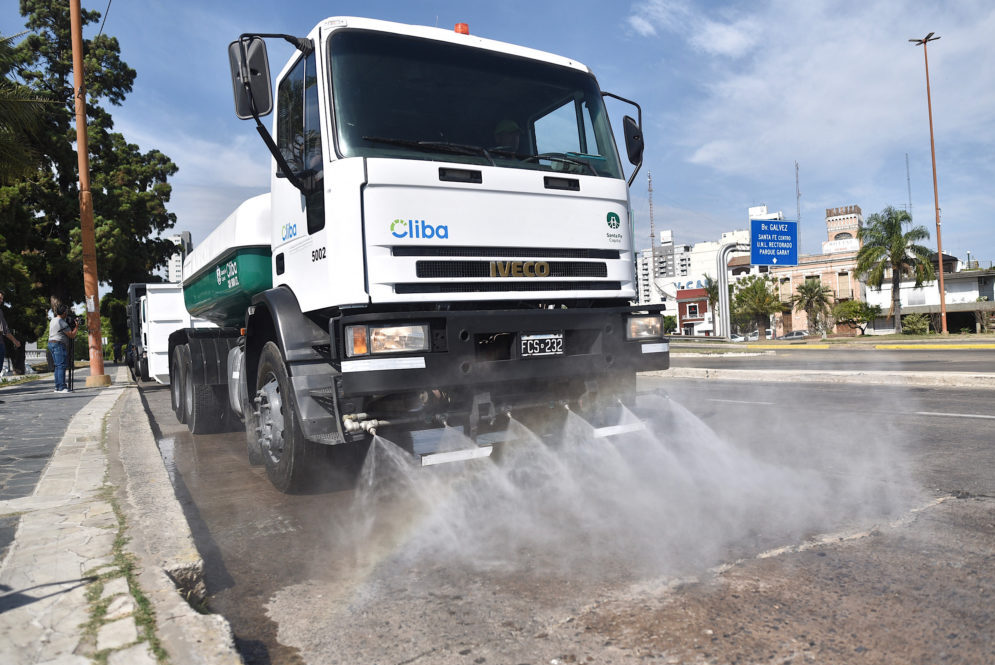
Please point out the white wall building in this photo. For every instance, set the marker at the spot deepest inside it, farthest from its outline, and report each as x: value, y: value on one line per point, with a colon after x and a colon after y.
x: 705, y: 254
x: 760, y: 212
x: 967, y: 292
x: 660, y: 262
x: 174, y: 267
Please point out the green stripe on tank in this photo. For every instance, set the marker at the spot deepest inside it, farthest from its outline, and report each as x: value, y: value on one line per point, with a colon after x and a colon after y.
x: 222, y: 294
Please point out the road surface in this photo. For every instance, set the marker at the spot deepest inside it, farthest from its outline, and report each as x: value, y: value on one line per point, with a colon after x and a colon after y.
x: 760, y: 523
x: 854, y: 359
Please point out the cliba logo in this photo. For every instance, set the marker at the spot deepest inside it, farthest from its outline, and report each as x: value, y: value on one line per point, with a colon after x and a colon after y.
x: 288, y: 231
x: 418, y: 228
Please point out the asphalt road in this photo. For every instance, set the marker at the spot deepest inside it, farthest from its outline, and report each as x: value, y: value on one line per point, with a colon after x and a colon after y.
x: 856, y: 359
x: 760, y: 523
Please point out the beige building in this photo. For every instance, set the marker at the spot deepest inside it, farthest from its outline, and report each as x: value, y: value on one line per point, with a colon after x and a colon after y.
x: 835, y: 267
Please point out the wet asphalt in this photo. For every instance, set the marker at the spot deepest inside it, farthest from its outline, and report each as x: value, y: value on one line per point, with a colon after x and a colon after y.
x: 792, y: 524
x: 852, y: 358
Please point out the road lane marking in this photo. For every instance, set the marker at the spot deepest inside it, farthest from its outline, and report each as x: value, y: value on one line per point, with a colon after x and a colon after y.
x: 788, y: 346
x: 739, y: 401
x: 954, y: 415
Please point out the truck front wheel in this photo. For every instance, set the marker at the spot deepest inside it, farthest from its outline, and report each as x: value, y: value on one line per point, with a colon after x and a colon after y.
x: 285, y: 451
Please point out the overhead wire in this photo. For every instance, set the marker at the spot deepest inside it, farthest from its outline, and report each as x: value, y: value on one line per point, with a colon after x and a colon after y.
x: 104, y: 19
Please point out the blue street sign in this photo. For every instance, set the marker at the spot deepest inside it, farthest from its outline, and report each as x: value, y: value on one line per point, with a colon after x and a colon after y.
x: 773, y: 242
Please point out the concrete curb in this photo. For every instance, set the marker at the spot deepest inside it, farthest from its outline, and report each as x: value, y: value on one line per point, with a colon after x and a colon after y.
x: 160, y: 537
x: 930, y: 379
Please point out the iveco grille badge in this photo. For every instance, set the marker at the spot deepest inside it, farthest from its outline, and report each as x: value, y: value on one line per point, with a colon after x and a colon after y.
x: 519, y: 269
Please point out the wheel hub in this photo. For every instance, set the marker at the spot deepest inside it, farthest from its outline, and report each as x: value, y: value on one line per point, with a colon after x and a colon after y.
x: 271, y: 419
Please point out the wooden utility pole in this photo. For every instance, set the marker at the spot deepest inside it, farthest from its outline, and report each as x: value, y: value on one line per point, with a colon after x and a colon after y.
x: 97, y: 377
x: 936, y: 195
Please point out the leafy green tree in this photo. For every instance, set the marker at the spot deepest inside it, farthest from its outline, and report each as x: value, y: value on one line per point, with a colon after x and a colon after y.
x: 756, y: 298
x: 916, y: 324
x: 855, y: 313
x: 39, y: 214
x: 888, y: 247
x: 669, y: 324
x: 815, y: 300
x: 114, y: 319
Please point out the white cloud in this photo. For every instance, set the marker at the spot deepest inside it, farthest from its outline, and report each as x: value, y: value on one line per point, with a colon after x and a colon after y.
x: 727, y: 39
x: 642, y: 26
x: 214, y: 176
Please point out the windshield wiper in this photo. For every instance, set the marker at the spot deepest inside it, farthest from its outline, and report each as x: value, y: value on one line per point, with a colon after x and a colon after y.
x: 563, y: 159
x: 434, y: 146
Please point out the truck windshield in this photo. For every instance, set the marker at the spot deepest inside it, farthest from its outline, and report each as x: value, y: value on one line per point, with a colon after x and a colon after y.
x: 412, y: 98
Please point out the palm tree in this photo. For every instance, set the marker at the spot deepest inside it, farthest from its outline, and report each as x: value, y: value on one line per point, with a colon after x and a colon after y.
x: 712, y: 293
x: 815, y: 300
x: 756, y: 298
x: 20, y: 119
x: 885, y: 245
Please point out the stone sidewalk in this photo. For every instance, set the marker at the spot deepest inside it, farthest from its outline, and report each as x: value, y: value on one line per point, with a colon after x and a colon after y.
x: 88, y: 576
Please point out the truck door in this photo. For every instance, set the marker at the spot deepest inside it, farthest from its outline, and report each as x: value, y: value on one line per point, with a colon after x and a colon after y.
x: 299, y: 219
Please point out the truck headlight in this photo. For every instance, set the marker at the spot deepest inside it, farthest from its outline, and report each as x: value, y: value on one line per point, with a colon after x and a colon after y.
x: 370, y: 340
x: 644, y: 327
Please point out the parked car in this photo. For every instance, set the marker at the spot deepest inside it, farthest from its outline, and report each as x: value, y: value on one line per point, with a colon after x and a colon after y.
x: 755, y: 335
x: 737, y: 338
x: 795, y: 334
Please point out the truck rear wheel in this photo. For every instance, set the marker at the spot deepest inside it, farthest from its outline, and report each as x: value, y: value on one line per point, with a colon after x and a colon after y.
x: 204, y: 411
x: 285, y: 451
x: 177, y: 382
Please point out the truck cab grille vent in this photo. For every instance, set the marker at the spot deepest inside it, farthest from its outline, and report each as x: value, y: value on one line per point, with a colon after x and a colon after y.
x: 508, y: 252
x: 505, y: 285
x: 443, y: 269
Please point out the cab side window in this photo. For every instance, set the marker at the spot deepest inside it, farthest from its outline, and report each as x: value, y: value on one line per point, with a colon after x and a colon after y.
x: 298, y: 130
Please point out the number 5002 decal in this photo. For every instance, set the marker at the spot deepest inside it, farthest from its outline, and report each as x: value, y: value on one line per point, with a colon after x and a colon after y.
x: 317, y: 254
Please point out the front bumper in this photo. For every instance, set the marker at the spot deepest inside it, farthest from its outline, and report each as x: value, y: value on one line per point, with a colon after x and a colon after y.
x: 478, y: 350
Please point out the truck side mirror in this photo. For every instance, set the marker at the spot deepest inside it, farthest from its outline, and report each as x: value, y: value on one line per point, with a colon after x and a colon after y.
x: 633, y: 140
x: 250, y: 77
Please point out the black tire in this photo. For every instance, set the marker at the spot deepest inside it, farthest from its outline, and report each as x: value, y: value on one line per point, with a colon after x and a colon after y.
x: 204, y: 411
x: 143, y: 369
x: 207, y: 416
x: 287, y: 455
x: 177, y: 379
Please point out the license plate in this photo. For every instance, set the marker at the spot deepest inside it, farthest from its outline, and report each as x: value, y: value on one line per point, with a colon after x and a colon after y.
x: 541, y: 344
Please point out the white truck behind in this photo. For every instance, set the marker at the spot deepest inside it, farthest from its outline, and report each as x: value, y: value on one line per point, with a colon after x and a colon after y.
x: 156, y: 310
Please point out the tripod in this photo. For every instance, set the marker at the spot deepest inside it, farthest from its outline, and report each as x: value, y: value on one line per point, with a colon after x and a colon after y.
x: 72, y: 363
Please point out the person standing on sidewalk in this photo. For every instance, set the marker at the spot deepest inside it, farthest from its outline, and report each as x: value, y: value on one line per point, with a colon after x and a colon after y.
x: 4, y: 335
x: 60, y: 336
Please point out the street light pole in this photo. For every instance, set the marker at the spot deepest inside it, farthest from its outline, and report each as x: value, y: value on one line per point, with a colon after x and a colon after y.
x: 97, y: 377
x: 936, y: 196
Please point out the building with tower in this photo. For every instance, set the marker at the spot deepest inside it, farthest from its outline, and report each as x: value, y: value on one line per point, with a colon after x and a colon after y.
x: 835, y: 268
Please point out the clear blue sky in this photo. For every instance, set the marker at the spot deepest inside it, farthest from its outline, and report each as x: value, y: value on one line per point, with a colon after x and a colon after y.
x: 733, y: 93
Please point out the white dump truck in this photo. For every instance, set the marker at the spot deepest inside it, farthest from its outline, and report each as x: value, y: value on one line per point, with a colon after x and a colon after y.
x: 446, y: 241
x: 155, y: 310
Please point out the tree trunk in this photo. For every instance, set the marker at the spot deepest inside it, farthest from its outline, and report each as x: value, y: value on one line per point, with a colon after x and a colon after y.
x: 896, y: 297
